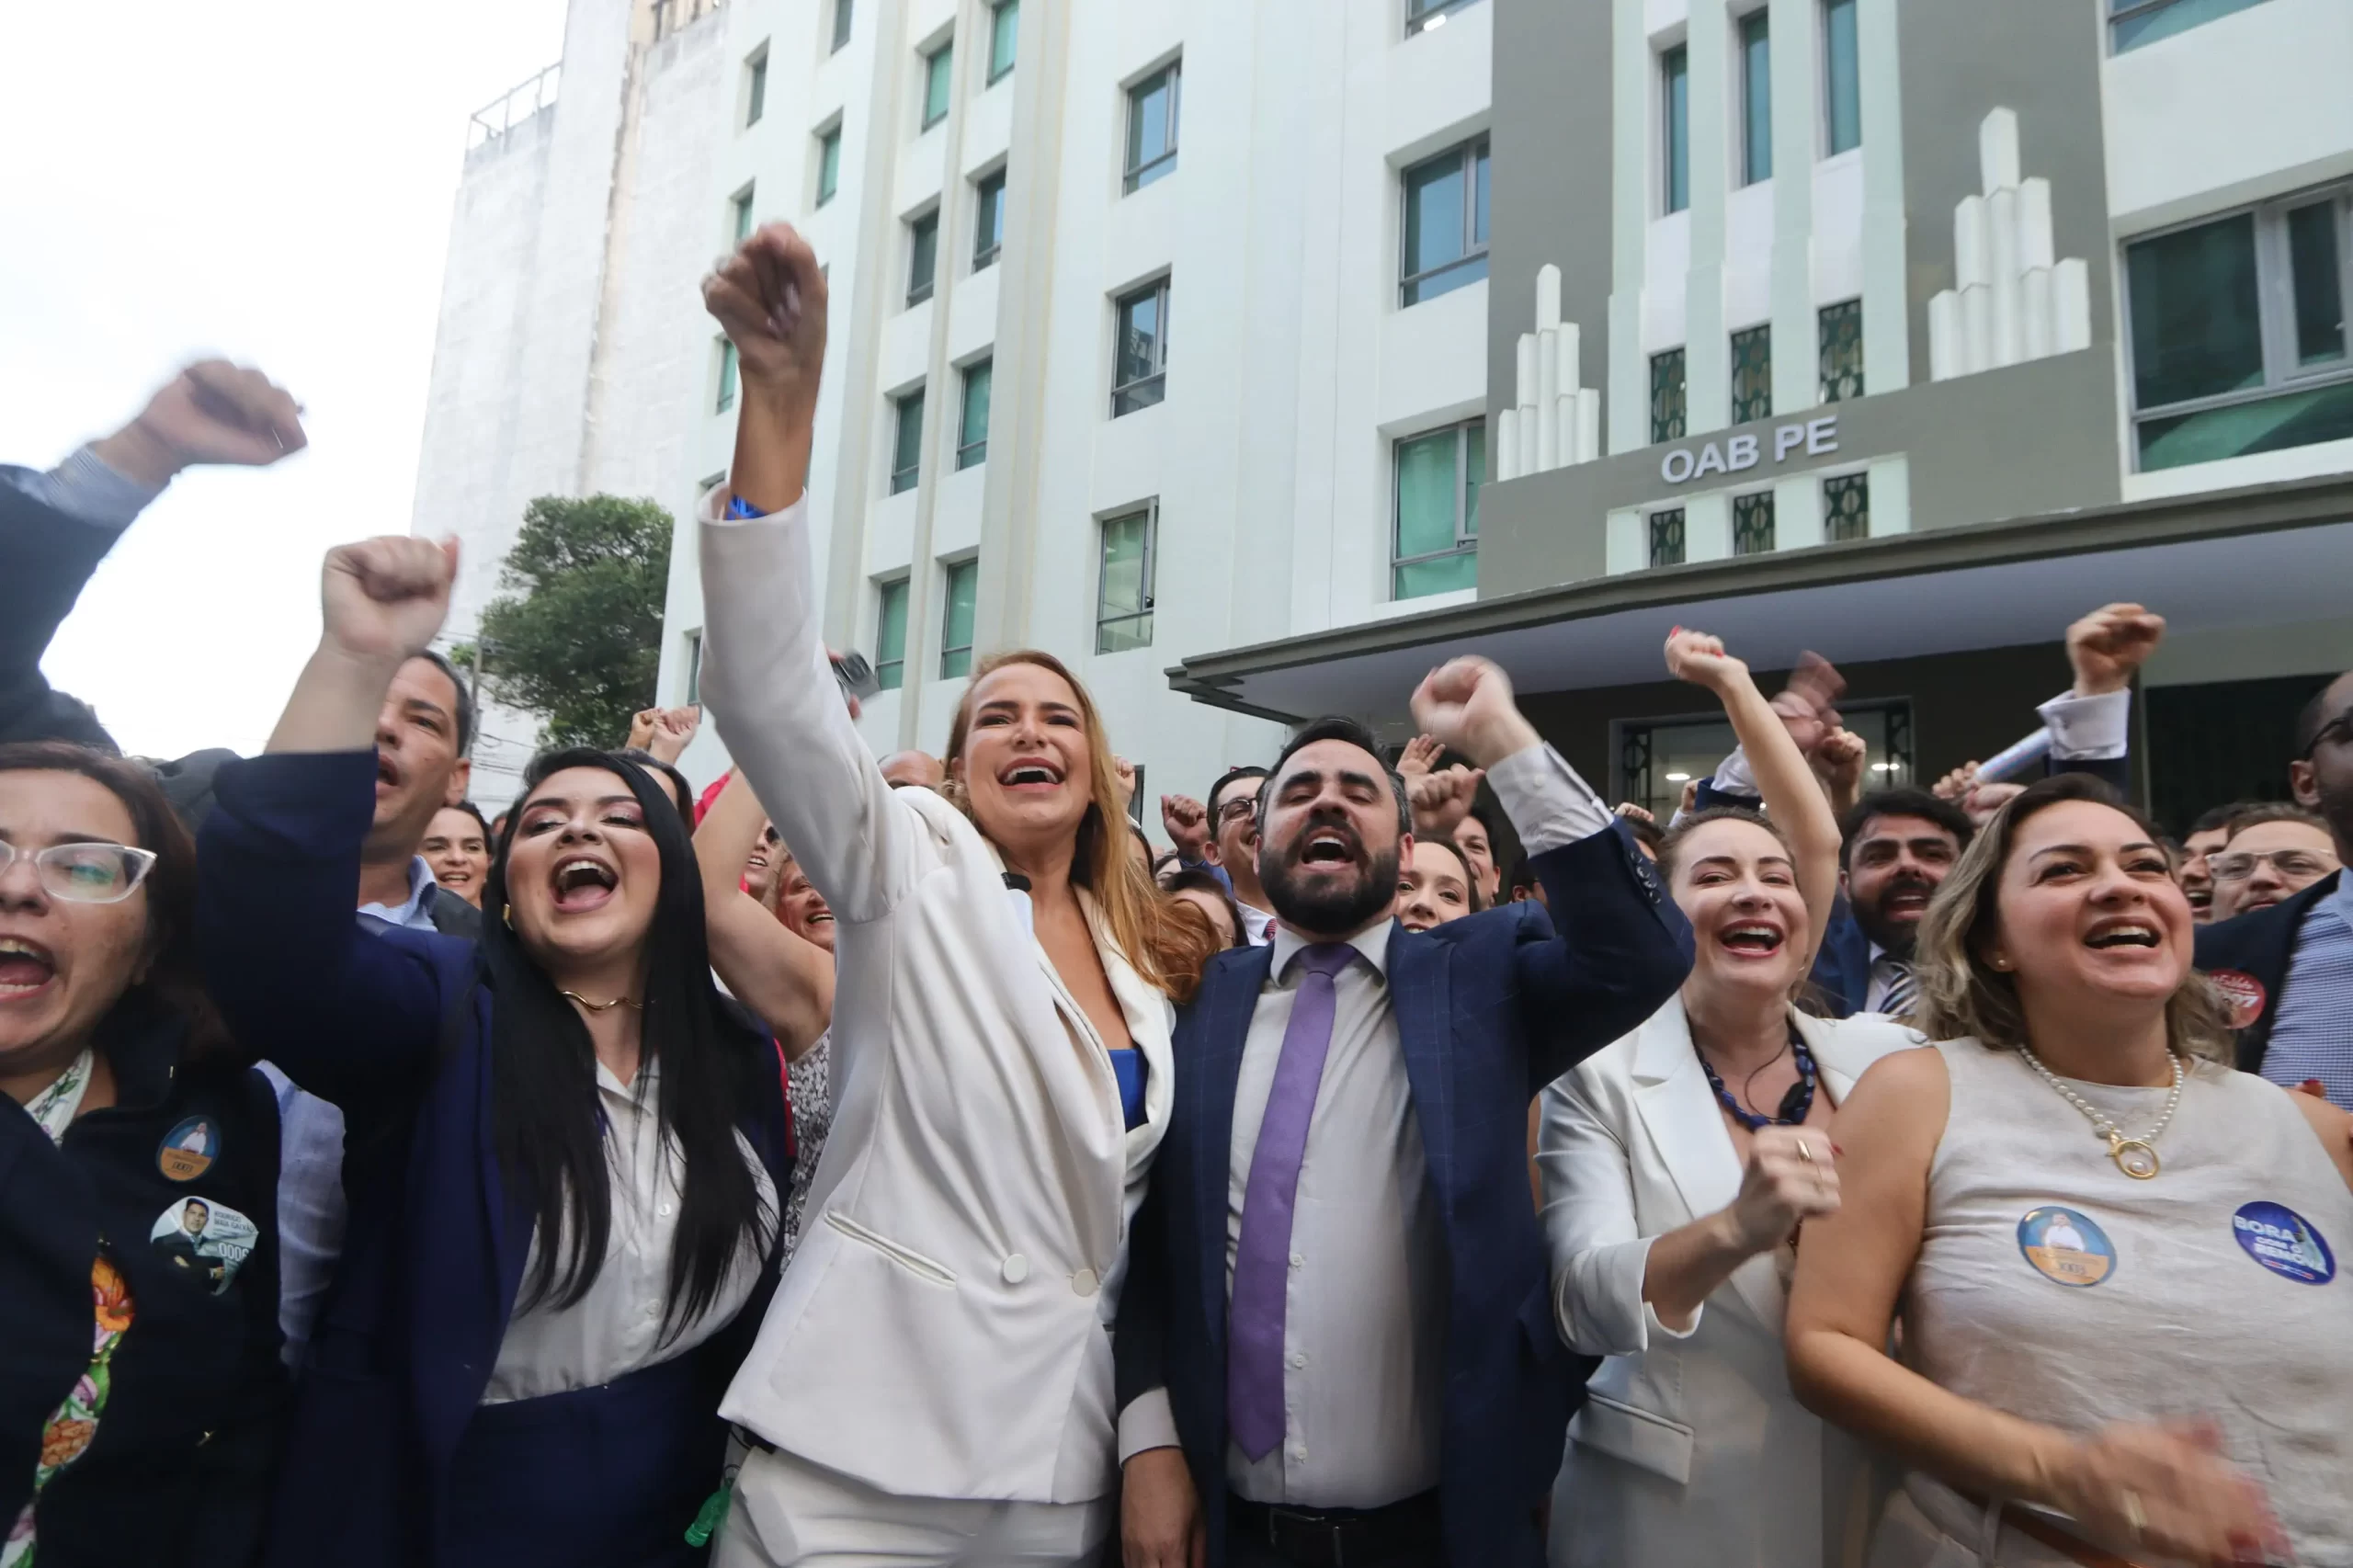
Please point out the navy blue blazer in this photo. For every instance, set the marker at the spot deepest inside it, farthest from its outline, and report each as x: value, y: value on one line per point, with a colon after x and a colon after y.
x: 2263, y: 946
x: 394, y: 1027
x: 1489, y: 1010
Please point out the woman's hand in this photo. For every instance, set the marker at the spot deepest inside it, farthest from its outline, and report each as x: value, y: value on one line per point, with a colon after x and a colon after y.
x: 2165, y: 1490
x: 1791, y: 1178
x: 672, y: 730
x: 769, y: 297
x: 1700, y: 659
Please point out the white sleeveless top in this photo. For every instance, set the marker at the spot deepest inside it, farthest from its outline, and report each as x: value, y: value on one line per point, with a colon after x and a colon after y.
x: 2052, y: 1286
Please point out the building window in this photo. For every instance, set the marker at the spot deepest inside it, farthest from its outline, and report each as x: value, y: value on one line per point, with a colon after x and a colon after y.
x: 1436, y: 547
x: 1752, y: 374
x: 1139, y: 352
x: 1675, y: 98
x: 756, y: 86
x: 1667, y: 537
x: 726, y: 377
x: 1152, y: 128
x: 2239, y: 340
x: 1846, y: 508
x: 739, y: 214
x: 1446, y: 223
x: 1756, y: 98
x: 829, y: 163
x: 1123, y: 585
x: 938, y: 77
x: 988, y: 219
x: 1752, y: 523
x: 843, y: 13
x: 1656, y: 761
x: 973, y: 422
x: 1841, y: 329
x: 1428, y: 15
x: 1842, y: 79
x: 1667, y: 395
x: 2132, y: 23
x: 906, y: 443
x: 1005, y: 28
x: 891, y: 635
x: 694, y: 665
x: 956, y: 622
x: 923, y: 255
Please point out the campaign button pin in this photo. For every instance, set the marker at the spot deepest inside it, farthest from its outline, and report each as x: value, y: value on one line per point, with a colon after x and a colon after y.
x: 2242, y: 995
x: 188, y: 1150
x: 2284, y: 1242
x: 210, y: 1240
x: 2066, y: 1246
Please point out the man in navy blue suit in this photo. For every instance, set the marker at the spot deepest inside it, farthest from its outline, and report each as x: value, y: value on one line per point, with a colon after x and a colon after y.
x: 1336, y: 1344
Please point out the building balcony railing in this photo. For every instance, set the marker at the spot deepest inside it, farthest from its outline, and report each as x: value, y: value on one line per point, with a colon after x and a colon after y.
x: 495, y: 120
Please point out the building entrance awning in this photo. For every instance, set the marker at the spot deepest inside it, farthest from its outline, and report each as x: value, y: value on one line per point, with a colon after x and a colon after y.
x: 2266, y: 555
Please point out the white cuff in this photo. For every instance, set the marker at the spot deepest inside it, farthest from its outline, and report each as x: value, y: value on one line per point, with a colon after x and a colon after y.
x: 2087, y: 728
x: 713, y: 510
x: 1732, y: 776
x: 1148, y: 1422
x: 1548, y: 803
x: 1598, y: 1304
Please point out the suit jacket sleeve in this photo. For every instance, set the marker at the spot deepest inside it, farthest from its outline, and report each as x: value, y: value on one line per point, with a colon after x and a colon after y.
x: 1139, y: 1348
x: 50, y: 556
x: 1599, y: 1252
x: 341, y: 1009
x: 1614, y: 950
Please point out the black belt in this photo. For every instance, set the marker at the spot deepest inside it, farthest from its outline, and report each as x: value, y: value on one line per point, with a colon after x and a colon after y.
x: 1398, y: 1533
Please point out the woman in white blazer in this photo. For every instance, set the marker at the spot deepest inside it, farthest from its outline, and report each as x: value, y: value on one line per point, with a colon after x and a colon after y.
x: 1678, y: 1164
x: 933, y: 1383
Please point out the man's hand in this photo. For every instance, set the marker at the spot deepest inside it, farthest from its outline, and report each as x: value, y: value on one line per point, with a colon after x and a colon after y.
x: 1809, y: 703
x: 641, y: 730
x: 1123, y: 773
x: 1421, y: 755
x: 1466, y: 704
x: 1634, y: 813
x: 1982, y: 800
x: 1838, y: 762
x: 212, y: 412
x: 384, y: 599
x: 2107, y: 645
x: 1441, y: 800
x: 674, y: 730
x: 1187, y: 822
x: 1160, y: 1514
x: 1955, y: 786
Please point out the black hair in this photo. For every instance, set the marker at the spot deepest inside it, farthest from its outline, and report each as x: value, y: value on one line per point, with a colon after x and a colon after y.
x: 680, y: 790
x: 1645, y: 831
x: 1903, y: 803
x: 545, y: 1122
x: 1231, y: 776
x: 2222, y: 816
x: 1523, y: 874
x: 474, y: 811
x: 465, y: 696
x: 2313, y: 717
x: 1193, y: 878
x: 1335, y: 727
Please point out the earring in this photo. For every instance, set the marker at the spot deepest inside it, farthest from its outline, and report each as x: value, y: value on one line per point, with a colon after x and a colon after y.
x: 2002, y: 964
x: 506, y: 912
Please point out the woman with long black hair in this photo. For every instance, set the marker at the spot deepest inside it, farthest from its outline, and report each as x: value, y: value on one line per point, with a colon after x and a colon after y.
x: 564, y: 1146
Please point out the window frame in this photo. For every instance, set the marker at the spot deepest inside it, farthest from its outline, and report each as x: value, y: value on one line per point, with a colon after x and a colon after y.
x: 1466, y: 155
x: 902, y: 404
x: 971, y: 451
x: 942, y: 61
x: 1761, y: 333
x: 1672, y: 66
x: 2134, y: 10
x: 1466, y: 536
x: 948, y: 651
x: 756, y: 85
x: 1750, y: 500
x: 829, y: 178
x: 1134, y: 175
x: 1659, y: 435
x: 998, y: 9
x: 1826, y: 391
x: 694, y: 665
x: 729, y: 376
x: 921, y: 226
x: 988, y: 199
x: 1426, y: 15
x: 892, y: 673
x: 1150, y: 577
x: 1159, y: 292
x: 1852, y: 479
x: 2275, y: 306
x: 845, y: 20
x: 1750, y: 148
x: 739, y: 213
x: 1675, y: 517
x: 1826, y: 63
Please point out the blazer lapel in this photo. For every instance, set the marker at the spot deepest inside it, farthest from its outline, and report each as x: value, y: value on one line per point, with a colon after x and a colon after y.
x: 1420, y: 998
x: 1838, y: 1067
x: 1231, y: 998
x: 1686, y: 1127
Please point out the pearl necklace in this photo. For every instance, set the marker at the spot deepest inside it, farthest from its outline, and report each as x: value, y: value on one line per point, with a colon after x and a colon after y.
x: 2136, y: 1157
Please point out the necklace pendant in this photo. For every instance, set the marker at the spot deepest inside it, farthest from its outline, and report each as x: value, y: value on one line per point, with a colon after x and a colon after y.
x: 2133, y: 1156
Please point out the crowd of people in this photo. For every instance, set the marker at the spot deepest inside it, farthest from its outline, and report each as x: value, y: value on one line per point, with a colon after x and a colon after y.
x: 1400, y: 1157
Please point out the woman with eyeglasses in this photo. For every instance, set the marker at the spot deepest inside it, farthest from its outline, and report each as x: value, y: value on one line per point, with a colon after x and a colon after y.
x: 142, y: 1399
x: 564, y: 1149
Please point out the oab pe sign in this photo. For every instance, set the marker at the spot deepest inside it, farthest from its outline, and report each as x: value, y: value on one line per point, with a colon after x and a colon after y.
x: 1816, y: 436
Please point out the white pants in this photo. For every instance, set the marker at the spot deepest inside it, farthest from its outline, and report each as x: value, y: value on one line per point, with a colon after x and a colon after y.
x: 788, y: 1513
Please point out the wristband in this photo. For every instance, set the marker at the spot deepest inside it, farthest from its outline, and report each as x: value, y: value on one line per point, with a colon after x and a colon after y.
x: 739, y: 507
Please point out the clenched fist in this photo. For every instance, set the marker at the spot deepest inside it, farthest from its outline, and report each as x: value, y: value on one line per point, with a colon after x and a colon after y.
x: 769, y: 297
x: 385, y: 599
x: 1466, y: 704
x: 2109, y: 644
x: 212, y: 412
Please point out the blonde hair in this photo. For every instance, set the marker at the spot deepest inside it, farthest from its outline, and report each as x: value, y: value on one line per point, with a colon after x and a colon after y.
x: 1164, y: 946
x: 1961, y: 994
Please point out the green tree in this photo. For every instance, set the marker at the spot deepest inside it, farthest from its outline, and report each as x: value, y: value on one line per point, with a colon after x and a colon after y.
x: 576, y: 636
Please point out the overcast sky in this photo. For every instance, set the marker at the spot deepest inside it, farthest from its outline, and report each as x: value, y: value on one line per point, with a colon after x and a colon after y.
x: 272, y: 182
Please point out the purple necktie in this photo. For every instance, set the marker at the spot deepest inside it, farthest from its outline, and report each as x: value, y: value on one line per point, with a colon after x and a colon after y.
x: 1253, y: 1357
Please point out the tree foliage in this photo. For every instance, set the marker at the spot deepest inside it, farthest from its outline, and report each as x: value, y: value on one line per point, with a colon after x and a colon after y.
x: 576, y: 636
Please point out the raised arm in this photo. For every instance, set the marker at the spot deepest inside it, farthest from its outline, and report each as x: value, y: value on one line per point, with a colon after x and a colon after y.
x: 766, y: 679
x: 784, y: 978
x: 1794, y: 797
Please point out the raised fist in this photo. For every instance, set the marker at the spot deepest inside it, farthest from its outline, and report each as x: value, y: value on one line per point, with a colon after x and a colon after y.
x: 1700, y: 659
x: 674, y: 730
x: 385, y: 599
x: 2109, y: 644
x: 1466, y: 704
x: 1440, y: 799
x: 212, y: 412
x: 1187, y: 822
x: 769, y: 297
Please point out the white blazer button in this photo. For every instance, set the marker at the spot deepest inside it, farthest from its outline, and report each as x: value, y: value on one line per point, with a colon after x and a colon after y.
x: 1084, y: 1282
x: 1016, y: 1269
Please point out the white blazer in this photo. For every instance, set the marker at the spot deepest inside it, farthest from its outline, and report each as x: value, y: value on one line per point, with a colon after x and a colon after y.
x: 1690, y: 1447
x: 944, y: 1329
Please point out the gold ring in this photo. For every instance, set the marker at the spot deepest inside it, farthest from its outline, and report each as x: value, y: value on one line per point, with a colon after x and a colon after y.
x: 2133, y: 1516
x: 1803, y: 1153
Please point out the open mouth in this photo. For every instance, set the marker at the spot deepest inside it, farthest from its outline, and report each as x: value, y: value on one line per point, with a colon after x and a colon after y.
x: 1909, y: 901
x: 1031, y: 773
x: 26, y: 967
x: 1328, y: 846
x: 387, y: 774
x: 2200, y: 898
x: 1752, y: 941
x: 2123, y: 933
x: 582, y: 883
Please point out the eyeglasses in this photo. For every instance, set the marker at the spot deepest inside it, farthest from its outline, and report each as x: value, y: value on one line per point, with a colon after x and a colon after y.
x: 1237, y: 811
x: 85, y: 873
x: 2236, y: 865
x: 2338, y: 730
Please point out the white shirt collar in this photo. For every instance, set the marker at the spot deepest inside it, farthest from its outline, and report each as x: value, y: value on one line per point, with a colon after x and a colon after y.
x: 1371, y: 944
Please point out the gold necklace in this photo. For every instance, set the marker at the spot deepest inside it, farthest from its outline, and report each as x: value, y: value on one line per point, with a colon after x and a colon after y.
x: 601, y: 1007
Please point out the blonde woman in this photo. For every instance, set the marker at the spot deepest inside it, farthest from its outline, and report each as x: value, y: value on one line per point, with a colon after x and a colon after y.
x: 934, y: 1382
x: 1678, y: 1164
x: 2124, y: 1314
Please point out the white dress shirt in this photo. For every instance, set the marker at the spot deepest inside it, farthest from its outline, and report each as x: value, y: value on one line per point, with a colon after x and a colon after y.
x: 617, y: 1328
x: 1256, y: 923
